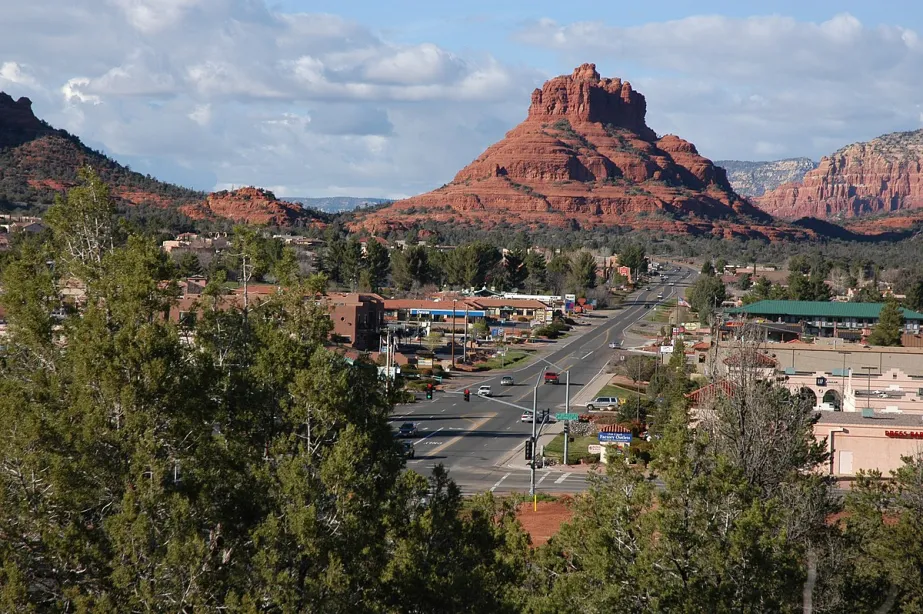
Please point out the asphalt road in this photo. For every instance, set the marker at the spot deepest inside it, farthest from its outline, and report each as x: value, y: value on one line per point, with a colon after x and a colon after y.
x: 475, y: 440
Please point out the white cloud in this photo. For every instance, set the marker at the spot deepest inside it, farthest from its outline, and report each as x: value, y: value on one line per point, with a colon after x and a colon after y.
x: 736, y: 86
x: 13, y: 73
x: 237, y: 91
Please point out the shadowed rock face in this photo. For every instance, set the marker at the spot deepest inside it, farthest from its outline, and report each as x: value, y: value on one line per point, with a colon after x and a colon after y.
x: 583, y: 155
x: 879, y: 176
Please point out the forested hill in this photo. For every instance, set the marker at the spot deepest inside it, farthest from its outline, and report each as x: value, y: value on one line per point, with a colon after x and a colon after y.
x: 38, y: 161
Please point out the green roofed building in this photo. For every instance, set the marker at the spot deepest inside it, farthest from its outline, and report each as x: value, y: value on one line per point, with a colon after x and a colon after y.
x: 824, y: 318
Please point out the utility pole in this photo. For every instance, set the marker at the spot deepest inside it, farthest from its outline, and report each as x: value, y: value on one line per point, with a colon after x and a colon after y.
x: 868, y: 387
x: 453, y: 333
x: 465, y: 345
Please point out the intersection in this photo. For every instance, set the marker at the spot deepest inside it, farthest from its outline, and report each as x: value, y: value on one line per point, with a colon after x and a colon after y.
x: 480, y: 442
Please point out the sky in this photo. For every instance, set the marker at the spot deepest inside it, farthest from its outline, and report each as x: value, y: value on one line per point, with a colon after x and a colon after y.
x: 390, y: 99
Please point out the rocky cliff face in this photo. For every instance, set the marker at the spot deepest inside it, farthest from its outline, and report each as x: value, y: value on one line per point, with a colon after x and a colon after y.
x: 757, y: 178
x: 584, y: 155
x: 880, y: 176
x: 249, y: 205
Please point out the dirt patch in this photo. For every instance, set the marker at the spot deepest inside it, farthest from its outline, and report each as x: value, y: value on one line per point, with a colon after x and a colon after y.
x: 545, y: 522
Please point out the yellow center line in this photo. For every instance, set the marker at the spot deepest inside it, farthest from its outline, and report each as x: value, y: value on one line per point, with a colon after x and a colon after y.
x: 455, y: 440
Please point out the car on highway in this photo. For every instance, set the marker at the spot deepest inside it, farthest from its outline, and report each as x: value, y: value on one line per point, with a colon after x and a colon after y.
x: 526, y: 416
x: 507, y: 380
x: 484, y: 391
x: 408, y: 429
x: 408, y: 449
x: 603, y: 403
x: 613, y: 345
x: 551, y: 377
x: 672, y: 284
x: 660, y: 296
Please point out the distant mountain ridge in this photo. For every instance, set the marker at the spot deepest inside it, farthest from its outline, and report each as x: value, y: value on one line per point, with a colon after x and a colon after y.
x: 38, y: 162
x: 757, y: 178
x: 337, y: 204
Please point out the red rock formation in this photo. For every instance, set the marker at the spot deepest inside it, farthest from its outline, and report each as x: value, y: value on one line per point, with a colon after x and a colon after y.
x: 879, y: 176
x: 249, y: 205
x: 583, y: 155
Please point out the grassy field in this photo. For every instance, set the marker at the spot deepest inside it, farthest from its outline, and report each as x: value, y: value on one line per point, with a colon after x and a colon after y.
x: 576, y: 449
x: 512, y: 357
x: 618, y: 391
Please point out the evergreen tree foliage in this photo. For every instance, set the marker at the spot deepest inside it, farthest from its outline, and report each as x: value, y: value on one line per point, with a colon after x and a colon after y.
x: 890, y: 326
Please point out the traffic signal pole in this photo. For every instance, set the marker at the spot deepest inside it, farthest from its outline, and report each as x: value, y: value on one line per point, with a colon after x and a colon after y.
x: 566, y: 410
x: 532, y: 460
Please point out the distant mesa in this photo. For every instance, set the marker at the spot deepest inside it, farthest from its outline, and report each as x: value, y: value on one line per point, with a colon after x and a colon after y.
x: 249, y: 205
x: 879, y: 176
x: 756, y: 178
x: 338, y: 204
x: 585, y: 157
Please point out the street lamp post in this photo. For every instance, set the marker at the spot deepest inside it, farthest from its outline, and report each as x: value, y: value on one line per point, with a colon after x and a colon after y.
x: 534, y: 446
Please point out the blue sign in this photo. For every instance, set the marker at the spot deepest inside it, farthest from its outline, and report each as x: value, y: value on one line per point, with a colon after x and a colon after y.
x: 615, y: 437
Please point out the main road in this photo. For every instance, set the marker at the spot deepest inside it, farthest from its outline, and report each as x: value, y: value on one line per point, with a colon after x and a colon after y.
x: 475, y: 440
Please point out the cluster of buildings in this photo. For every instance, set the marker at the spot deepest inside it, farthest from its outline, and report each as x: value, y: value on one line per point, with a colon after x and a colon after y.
x: 869, y: 399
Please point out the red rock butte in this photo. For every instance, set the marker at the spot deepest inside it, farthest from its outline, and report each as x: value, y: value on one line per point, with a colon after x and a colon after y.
x: 880, y: 176
x: 584, y: 155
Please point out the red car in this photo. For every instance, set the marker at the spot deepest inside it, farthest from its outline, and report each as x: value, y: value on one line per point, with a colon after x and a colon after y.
x: 551, y: 377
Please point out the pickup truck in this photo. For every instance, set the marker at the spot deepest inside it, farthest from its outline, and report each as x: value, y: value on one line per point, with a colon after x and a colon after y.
x: 551, y: 377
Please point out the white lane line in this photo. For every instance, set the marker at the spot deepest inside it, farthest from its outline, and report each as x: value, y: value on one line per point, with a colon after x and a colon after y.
x: 442, y: 412
x: 500, y: 481
x: 585, y: 356
x: 428, y: 436
x: 562, y: 478
x: 542, y: 479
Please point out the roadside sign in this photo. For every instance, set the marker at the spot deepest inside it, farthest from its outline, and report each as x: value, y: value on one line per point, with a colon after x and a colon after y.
x: 594, y: 449
x: 615, y: 437
x: 566, y: 416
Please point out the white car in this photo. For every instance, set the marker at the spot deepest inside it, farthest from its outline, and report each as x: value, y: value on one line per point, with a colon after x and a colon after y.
x: 660, y: 297
x: 603, y: 403
x: 484, y: 391
x: 613, y: 345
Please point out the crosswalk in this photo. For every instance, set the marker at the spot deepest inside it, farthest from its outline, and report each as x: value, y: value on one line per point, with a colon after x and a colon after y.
x: 517, y: 481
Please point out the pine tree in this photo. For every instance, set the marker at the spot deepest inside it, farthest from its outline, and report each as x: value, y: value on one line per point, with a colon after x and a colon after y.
x: 890, y: 326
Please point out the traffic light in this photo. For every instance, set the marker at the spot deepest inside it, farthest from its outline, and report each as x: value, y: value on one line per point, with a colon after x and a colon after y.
x: 429, y: 391
x: 467, y: 395
x: 529, y: 449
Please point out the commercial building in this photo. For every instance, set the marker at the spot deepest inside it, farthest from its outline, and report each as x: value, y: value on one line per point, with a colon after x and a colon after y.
x: 825, y: 318
x: 868, y: 440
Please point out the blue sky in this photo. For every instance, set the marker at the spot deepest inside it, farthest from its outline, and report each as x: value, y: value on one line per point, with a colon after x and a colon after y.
x: 390, y: 99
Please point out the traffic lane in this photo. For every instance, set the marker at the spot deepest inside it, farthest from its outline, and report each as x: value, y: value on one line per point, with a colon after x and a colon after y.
x: 508, y: 481
x: 444, y: 411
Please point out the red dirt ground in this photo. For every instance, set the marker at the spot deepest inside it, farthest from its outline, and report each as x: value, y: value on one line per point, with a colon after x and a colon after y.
x: 542, y: 524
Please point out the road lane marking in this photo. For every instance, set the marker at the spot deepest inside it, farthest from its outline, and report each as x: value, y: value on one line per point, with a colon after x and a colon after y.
x: 562, y: 478
x: 416, y: 443
x: 500, y: 481
x: 585, y: 356
x: 455, y: 440
x: 542, y: 479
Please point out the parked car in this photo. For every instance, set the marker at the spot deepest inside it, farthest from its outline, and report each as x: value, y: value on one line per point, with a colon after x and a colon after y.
x: 408, y: 429
x: 484, y: 391
x: 409, y: 451
x: 507, y: 380
x: 551, y: 377
x: 603, y: 403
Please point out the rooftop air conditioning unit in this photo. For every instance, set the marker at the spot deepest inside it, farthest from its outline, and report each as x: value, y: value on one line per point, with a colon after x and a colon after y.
x: 868, y: 412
